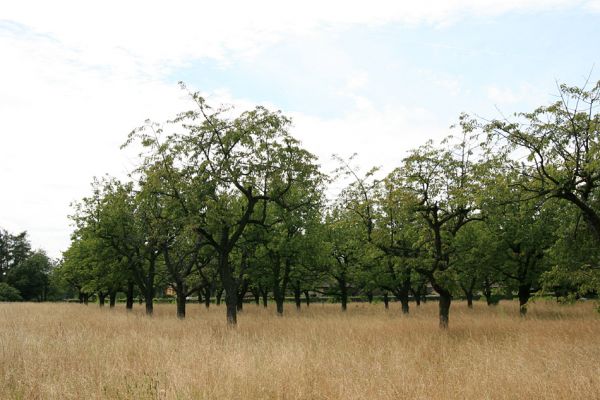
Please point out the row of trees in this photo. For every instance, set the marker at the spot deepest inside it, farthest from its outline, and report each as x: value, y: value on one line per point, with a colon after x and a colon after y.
x: 233, y: 204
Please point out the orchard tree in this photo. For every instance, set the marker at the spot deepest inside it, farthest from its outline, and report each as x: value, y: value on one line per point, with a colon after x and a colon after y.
x: 562, y: 144
x: 442, y: 183
x: 235, y: 166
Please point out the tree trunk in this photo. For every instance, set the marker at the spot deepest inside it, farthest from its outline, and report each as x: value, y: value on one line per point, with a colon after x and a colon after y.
x: 524, y: 295
x: 207, y: 293
x: 218, y: 296
x: 265, y: 297
x: 241, y: 295
x: 307, y: 297
x: 101, y: 298
x: 129, y: 296
x: 403, y: 297
x: 180, y: 290
x: 149, y: 299
x: 279, y: 302
x: 386, y: 300
x: 297, y: 296
x: 112, y: 298
x: 370, y: 296
x: 445, y: 301
x: 231, y: 301
x: 470, y: 300
x: 86, y: 298
x: 344, y: 294
x: 200, y: 296
x: 256, y: 295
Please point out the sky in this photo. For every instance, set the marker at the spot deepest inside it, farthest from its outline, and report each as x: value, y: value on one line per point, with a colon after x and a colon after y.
x: 377, y: 78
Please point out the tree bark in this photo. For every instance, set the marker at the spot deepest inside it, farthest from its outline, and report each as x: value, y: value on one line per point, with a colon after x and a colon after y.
x: 218, y: 296
x: 307, y: 297
x: 386, y: 300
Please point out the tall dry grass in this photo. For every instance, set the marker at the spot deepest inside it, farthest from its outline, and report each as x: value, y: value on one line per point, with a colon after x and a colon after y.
x: 71, y: 351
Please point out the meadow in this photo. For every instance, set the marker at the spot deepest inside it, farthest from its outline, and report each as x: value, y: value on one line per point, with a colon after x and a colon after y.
x: 72, y: 351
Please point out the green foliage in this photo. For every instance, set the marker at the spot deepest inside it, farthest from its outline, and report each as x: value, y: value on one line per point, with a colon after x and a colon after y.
x: 9, y: 293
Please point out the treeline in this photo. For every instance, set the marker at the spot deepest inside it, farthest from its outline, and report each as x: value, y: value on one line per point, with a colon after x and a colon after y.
x: 230, y: 205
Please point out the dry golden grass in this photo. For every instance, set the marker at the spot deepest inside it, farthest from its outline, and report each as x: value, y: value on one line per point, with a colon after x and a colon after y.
x: 70, y: 351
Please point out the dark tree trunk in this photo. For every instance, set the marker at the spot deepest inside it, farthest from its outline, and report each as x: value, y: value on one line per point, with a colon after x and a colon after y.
x: 129, y: 296
x: 297, y: 296
x: 149, y: 299
x: 386, y: 300
x: 207, y: 293
x: 86, y: 298
x: 180, y: 301
x: 101, y: 298
x: 231, y: 301
x: 200, y: 296
x: 265, y: 297
x: 524, y: 295
x: 279, y: 302
x: 469, y: 296
x: 403, y: 297
x: 344, y: 294
x: 112, y: 298
x: 256, y: 295
x: 445, y: 301
x: 370, y: 297
x: 307, y: 298
x: 241, y: 295
x: 279, y: 298
x: 218, y: 296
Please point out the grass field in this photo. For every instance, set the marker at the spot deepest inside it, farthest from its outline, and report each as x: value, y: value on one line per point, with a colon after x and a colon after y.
x: 71, y: 351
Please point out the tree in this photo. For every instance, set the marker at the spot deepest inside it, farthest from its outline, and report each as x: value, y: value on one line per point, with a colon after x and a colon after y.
x: 442, y: 185
x: 13, y: 250
x: 30, y: 277
x: 235, y: 167
x: 562, y: 142
x: 524, y: 229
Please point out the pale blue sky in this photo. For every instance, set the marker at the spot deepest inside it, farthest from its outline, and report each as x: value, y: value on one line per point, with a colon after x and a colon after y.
x: 375, y: 79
